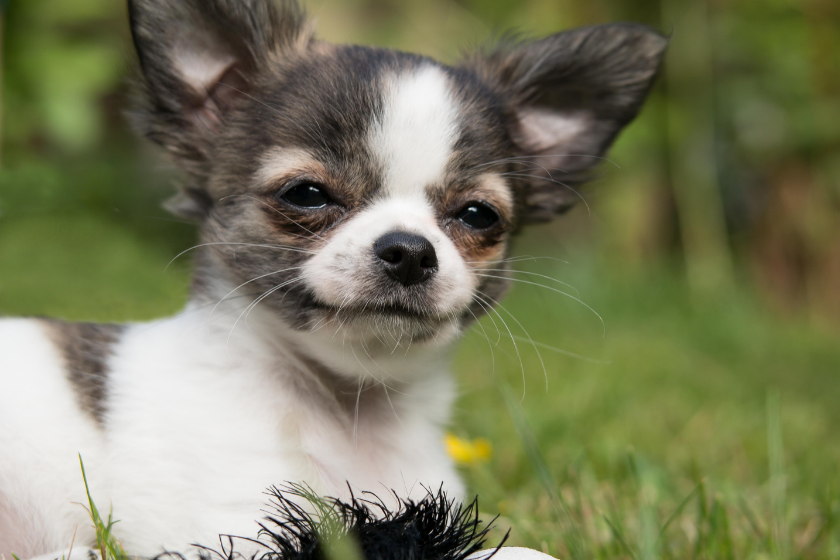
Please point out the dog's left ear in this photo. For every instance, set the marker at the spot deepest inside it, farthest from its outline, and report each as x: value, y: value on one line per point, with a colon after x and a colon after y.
x: 571, y: 94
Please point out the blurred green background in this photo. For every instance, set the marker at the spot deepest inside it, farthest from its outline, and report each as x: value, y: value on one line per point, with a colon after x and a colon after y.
x: 703, y: 423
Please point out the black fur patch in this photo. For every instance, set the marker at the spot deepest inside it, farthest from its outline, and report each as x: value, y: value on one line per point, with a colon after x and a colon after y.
x: 434, y: 528
x: 86, y: 348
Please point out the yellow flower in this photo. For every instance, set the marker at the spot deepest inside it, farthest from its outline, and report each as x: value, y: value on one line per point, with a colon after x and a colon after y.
x: 466, y: 452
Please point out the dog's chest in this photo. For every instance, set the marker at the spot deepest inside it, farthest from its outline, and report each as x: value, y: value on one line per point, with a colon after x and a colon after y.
x: 202, y: 441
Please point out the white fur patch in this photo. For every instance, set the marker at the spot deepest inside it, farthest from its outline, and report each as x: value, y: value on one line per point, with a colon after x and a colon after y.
x: 200, y: 61
x: 277, y: 161
x: 414, y: 138
x: 547, y: 130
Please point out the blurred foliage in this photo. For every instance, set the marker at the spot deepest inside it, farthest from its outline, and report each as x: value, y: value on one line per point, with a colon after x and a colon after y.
x: 735, y: 159
x: 711, y: 249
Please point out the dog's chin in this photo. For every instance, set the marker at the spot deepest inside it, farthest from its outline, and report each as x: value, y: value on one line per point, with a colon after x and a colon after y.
x: 390, y: 325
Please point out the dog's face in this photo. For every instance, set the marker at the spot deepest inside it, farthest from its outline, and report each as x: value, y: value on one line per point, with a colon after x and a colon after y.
x: 367, y: 190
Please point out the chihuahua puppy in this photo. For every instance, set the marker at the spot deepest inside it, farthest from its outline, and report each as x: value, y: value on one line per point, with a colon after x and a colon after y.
x: 349, y: 199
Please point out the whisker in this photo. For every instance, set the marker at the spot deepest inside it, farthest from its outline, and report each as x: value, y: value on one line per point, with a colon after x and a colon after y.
x: 529, y: 273
x: 274, y: 209
x: 516, y: 159
x: 531, y: 340
x: 495, y: 326
x: 284, y: 247
x: 552, y: 180
x: 248, y: 314
x: 384, y: 385
x: 245, y: 284
x: 256, y: 302
x: 489, y: 344
x: 513, y: 340
x: 518, y: 259
x: 569, y: 354
x: 399, y: 340
x: 568, y: 295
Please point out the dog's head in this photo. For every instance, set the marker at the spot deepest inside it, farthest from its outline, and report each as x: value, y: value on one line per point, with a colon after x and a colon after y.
x: 370, y: 190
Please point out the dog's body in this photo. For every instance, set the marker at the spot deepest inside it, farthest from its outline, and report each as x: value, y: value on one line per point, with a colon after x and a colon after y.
x: 198, y: 427
x: 355, y: 208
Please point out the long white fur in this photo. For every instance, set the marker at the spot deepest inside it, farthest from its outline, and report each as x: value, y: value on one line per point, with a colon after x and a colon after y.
x: 203, y: 415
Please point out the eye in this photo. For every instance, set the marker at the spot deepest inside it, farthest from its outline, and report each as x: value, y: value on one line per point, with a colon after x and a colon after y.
x: 479, y: 216
x: 306, y: 195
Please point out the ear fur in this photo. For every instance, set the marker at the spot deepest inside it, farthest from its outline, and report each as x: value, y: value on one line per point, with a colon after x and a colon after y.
x: 571, y: 94
x: 196, y: 58
x: 189, y: 203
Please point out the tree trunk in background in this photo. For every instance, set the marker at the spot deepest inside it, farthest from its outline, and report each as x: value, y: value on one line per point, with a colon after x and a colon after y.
x: 690, y: 108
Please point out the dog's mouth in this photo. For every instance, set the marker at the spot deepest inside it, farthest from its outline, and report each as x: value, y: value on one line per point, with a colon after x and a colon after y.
x: 390, y: 324
x: 390, y: 310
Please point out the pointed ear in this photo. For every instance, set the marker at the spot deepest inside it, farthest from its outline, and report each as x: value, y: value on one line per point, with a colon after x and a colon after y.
x: 197, y: 57
x: 571, y: 94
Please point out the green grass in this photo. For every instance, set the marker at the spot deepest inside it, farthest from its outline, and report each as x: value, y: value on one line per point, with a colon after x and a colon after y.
x: 107, y: 545
x: 694, y: 428
x: 708, y: 430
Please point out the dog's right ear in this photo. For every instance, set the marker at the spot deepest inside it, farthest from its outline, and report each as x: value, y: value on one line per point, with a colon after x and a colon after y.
x: 197, y: 57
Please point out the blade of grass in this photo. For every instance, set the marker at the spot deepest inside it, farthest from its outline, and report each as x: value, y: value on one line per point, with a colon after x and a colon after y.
x: 777, y: 482
x: 679, y: 509
x: 702, y: 517
x: 575, y: 540
x: 751, y: 518
x: 109, y: 547
x: 619, y: 537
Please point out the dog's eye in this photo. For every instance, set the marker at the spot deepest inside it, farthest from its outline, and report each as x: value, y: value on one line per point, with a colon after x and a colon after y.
x: 306, y: 195
x: 478, y: 215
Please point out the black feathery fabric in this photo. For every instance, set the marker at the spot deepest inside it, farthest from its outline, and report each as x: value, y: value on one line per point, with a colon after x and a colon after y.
x: 434, y: 528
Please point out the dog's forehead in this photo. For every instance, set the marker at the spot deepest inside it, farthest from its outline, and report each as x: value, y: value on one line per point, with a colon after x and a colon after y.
x: 393, y: 123
x: 412, y: 137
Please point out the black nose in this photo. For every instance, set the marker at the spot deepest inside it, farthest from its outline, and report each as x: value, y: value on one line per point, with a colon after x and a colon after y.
x: 407, y: 258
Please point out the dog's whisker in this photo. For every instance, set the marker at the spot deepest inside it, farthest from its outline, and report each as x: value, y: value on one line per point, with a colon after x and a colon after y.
x: 245, y: 284
x: 259, y: 245
x: 569, y: 354
x: 515, y: 159
x: 399, y: 341
x: 555, y: 181
x: 257, y: 301
x: 577, y: 293
x: 358, y: 399
x: 518, y: 259
x: 513, y: 340
x: 489, y: 344
x: 568, y: 295
x: 270, y: 207
x: 495, y: 326
x: 531, y: 340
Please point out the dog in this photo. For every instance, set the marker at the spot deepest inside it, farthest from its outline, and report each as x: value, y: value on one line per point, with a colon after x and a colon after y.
x: 355, y: 207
